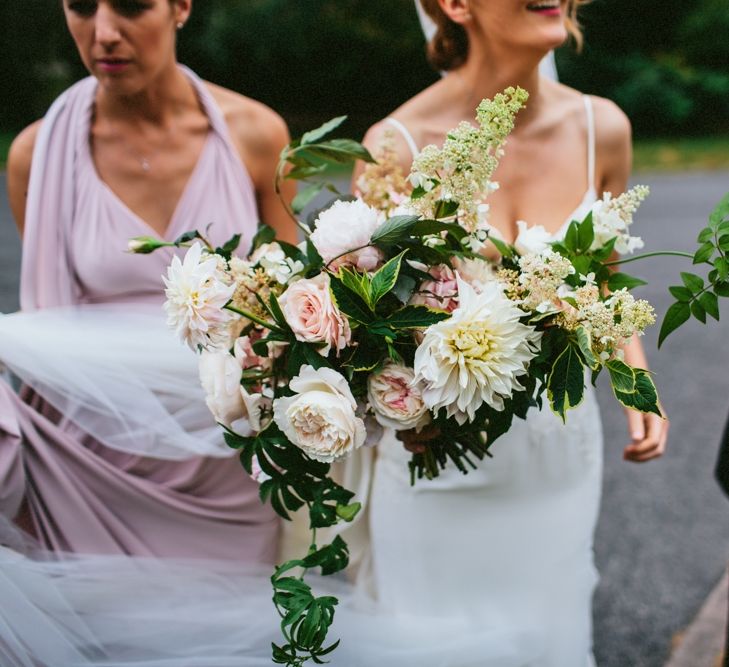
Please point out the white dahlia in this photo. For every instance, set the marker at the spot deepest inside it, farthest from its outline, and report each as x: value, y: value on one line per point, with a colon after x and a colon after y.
x: 476, y: 355
x: 196, y: 295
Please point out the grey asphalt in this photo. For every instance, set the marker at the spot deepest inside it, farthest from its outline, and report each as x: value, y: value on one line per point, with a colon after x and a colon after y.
x: 663, y: 538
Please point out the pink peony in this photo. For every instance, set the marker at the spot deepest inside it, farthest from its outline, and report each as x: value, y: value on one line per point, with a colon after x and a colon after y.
x: 313, y: 316
x: 395, y: 398
x: 441, y: 292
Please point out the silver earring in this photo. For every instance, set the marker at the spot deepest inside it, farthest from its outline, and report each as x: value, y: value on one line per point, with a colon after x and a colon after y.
x: 180, y: 25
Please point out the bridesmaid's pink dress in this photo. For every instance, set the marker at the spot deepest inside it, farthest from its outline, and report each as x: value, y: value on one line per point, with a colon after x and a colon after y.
x: 73, y: 493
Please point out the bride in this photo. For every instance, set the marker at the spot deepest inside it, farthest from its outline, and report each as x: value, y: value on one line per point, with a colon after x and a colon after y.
x: 508, y: 546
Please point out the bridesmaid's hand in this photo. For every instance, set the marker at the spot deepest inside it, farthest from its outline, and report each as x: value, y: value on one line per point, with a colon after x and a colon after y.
x: 417, y: 442
x: 649, y: 433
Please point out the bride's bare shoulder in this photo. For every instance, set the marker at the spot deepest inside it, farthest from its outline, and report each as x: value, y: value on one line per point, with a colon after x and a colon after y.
x: 414, y: 115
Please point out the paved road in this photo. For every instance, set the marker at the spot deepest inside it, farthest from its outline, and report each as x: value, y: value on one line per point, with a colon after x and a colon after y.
x: 663, y: 536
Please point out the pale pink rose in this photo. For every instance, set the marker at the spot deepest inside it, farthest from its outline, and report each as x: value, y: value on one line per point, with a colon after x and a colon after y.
x: 395, y: 398
x: 441, y: 292
x: 313, y: 316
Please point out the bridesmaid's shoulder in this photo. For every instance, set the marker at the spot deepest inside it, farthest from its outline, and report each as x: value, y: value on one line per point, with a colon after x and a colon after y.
x: 20, y: 154
x: 258, y: 129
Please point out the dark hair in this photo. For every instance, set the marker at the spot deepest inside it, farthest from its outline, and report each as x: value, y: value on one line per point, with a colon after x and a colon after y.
x: 449, y: 47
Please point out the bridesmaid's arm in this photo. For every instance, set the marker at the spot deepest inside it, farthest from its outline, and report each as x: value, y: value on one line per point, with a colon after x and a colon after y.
x: 648, y: 432
x: 271, y: 210
x: 18, y: 172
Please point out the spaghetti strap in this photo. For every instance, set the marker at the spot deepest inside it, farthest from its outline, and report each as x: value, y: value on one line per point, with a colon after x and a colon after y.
x: 590, y: 142
x: 405, y: 134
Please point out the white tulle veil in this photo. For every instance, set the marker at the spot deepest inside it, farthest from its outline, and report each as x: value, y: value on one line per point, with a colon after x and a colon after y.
x: 548, y: 66
x: 118, y: 373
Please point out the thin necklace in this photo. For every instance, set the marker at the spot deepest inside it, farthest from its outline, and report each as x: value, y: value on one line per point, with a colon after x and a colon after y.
x: 145, y: 160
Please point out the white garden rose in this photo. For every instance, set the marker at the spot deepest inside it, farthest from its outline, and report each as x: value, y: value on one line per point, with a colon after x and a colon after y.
x: 196, y: 295
x: 343, y: 228
x: 220, y: 375
x: 320, y: 418
x: 531, y: 240
x: 229, y: 402
x: 476, y: 355
x: 396, y: 399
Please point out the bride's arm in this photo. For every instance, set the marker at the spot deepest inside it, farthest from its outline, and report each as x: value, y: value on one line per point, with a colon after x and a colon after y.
x: 648, y: 432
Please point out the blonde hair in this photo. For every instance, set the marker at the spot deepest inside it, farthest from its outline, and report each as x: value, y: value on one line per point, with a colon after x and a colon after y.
x: 449, y: 47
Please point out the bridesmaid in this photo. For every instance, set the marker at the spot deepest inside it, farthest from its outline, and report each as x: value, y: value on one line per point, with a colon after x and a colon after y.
x: 142, y: 146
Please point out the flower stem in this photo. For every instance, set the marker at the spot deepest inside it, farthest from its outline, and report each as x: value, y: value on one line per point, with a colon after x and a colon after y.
x: 659, y: 253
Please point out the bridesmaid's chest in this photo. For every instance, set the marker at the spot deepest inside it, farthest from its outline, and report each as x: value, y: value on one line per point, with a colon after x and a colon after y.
x: 150, y: 186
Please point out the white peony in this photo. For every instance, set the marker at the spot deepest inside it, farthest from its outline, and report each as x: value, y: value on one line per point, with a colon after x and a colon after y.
x: 320, y: 418
x: 531, y: 240
x: 196, y: 295
x: 396, y: 399
x: 344, y: 227
x: 476, y: 355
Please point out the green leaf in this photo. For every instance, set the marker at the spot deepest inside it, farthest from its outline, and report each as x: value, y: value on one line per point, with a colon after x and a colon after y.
x: 724, y: 243
x: 585, y: 233
x: 385, y: 278
x: 572, y: 237
x: 710, y: 304
x: 394, y: 229
x: 720, y: 213
x: 704, y: 253
x: 320, y: 132
x: 645, y: 396
x: 416, y: 317
x: 302, y: 173
x: 706, y: 234
x: 445, y: 208
x: 306, y: 196
x: 265, y: 234
x: 366, y: 356
x: 620, y: 280
x: 404, y: 287
x: 185, y: 238
x: 566, y: 383
x: 584, y: 342
x: 348, y: 512
x: 359, y: 283
x: 342, y: 151
x: 504, y: 249
x: 722, y: 289
x: 351, y: 304
x: 680, y: 293
x: 430, y: 227
x: 229, y: 247
x: 675, y: 316
x: 622, y: 376
x: 697, y: 310
x: 722, y: 267
x: 693, y: 282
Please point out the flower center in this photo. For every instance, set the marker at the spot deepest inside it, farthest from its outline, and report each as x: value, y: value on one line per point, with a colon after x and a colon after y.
x: 474, y: 341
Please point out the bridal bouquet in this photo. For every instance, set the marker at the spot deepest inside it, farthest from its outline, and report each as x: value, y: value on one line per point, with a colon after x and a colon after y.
x: 390, y: 315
